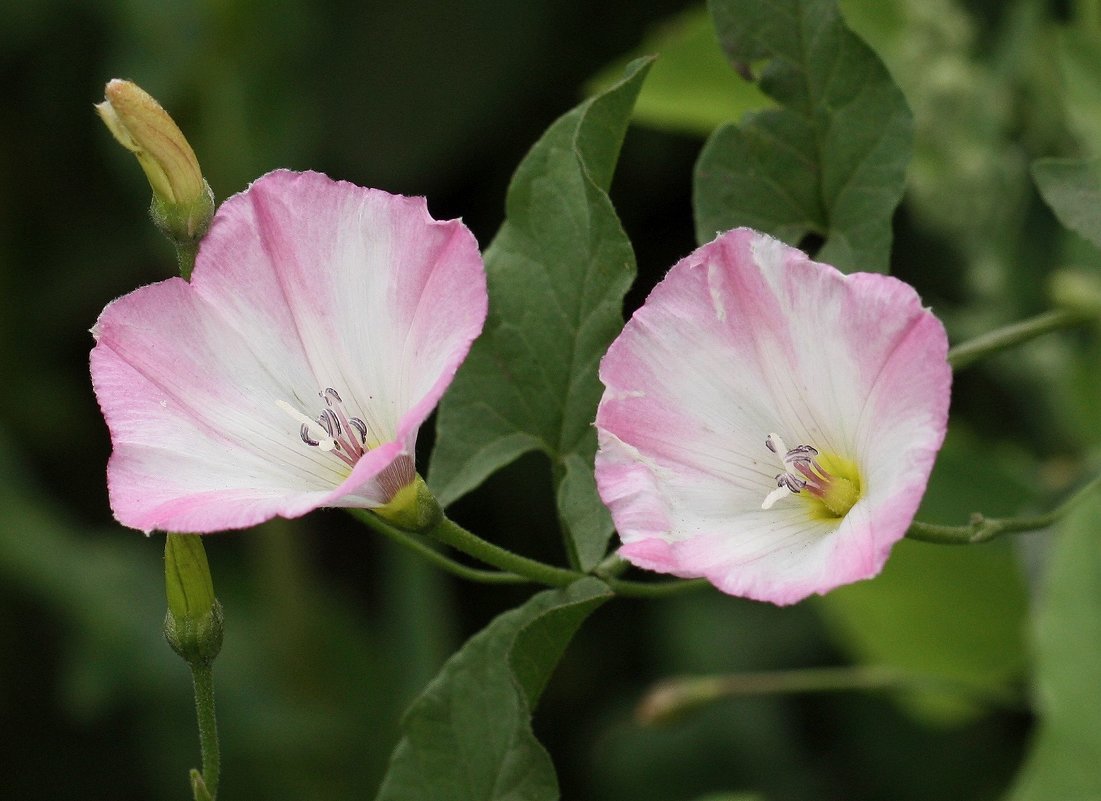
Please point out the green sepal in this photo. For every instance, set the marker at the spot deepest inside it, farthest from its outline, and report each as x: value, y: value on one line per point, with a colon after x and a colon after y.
x: 193, y: 625
x: 413, y: 508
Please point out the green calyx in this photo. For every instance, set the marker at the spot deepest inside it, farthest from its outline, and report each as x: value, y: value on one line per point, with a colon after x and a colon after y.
x: 193, y: 625
x: 413, y: 508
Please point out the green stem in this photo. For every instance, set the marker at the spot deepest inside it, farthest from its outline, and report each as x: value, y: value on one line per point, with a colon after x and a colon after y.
x: 984, y: 529
x: 966, y: 353
x: 652, y: 589
x: 413, y: 543
x: 673, y: 697
x: 450, y: 533
x: 185, y: 257
x: 514, y: 569
x: 202, y: 674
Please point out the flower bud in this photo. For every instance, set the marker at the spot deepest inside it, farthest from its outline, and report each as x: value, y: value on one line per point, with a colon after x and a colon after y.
x: 183, y: 203
x: 193, y: 625
x: 413, y: 508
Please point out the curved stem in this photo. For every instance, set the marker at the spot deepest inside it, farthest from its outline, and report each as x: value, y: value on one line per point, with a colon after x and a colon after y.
x: 653, y: 589
x: 451, y: 533
x: 966, y: 353
x: 442, y: 561
x: 984, y: 529
x: 673, y: 697
x: 202, y: 674
x: 514, y: 568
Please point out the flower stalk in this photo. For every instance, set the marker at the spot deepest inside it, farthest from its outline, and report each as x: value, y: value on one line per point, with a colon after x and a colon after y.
x: 967, y: 353
x: 672, y: 698
x: 512, y: 568
x: 984, y: 529
x: 193, y: 627
x: 451, y: 533
x: 202, y: 675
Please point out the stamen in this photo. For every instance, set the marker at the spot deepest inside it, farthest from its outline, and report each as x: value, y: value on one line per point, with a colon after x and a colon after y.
x: 333, y: 431
x: 308, y: 431
x: 360, y: 427
x: 330, y: 422
x: 804, y: 473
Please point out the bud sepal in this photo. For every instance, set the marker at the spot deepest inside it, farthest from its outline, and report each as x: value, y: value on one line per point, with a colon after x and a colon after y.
x: 194, y: 623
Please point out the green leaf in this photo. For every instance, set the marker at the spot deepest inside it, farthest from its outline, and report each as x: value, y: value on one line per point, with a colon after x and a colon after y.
x: 832, y: 160
x: 557, y: 272
x: 1063, y: 763
x: 690, y: 89
x: 950, y: 614
x: 468, y: 736
x: 1072, y: 188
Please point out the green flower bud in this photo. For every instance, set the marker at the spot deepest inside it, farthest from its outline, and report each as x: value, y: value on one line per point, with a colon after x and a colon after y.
x: 193, y: 625
x: 183, y: 204
x: 413, y: 508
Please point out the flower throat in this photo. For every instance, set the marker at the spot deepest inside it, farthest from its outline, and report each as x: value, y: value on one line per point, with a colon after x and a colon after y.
x: 831, y: 484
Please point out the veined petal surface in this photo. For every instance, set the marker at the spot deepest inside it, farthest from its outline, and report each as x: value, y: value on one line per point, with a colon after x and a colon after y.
x: 302, y: 284
x: 744, y: 338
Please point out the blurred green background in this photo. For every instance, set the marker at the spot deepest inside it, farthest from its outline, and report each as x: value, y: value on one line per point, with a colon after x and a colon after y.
x: 330, y: 630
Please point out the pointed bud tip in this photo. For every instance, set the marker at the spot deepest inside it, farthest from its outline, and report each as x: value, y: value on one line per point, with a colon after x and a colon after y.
x: 182, y: 201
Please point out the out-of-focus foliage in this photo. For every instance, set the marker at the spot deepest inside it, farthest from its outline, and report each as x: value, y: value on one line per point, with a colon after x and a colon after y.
x: 1067, y: 634
x: 949, y: 615
x: 330, y: 632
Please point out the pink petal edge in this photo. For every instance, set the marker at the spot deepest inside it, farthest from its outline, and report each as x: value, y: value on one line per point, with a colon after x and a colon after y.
x: 651, y: 443
x: 234, y: 504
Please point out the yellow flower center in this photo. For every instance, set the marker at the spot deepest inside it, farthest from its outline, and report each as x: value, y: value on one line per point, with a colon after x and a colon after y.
x: 828, y: 483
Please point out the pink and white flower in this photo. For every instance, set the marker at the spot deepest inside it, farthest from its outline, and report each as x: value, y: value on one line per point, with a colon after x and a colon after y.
x: 322, y: 324
x: 769, y: 423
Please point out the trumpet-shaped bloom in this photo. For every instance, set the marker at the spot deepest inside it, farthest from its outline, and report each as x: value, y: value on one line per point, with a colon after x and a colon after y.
x: 321, y: 326
x: 769, y: 423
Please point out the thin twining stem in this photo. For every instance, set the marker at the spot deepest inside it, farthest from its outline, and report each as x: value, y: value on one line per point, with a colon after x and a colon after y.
x: 971, y: 351
x: 442, y: 561
x: 984, y: 529
x: 670, y: 698
x: 513, y: 568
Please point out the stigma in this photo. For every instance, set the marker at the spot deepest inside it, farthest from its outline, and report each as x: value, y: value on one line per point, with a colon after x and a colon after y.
x: 333, y: 430
x: 832, y: 484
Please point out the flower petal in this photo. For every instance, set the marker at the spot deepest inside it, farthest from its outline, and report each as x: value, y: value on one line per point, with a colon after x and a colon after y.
x: 302, y: 283
x: 744, y: 337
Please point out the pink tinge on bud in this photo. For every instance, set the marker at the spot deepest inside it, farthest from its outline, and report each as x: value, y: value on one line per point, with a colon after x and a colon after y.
x: 140, y: 125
